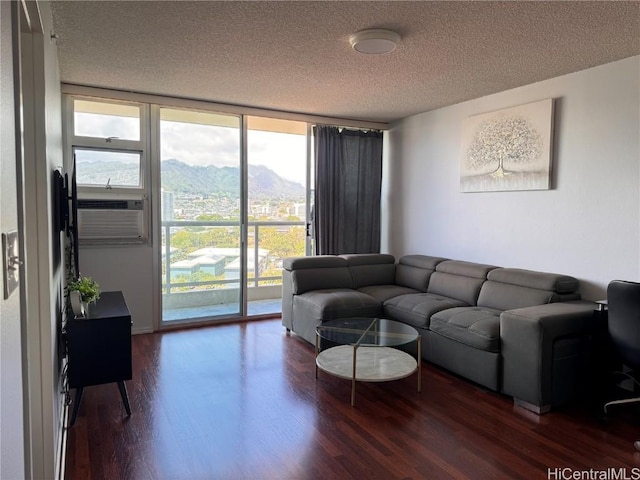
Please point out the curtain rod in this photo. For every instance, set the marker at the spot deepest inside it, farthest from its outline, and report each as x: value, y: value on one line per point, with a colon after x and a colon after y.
x: 353, y: 129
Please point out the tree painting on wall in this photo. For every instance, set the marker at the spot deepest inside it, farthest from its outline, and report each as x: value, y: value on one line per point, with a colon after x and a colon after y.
x: 508, y: 149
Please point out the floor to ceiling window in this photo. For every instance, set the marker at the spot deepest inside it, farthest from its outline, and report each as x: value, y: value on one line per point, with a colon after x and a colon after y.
x: 201, y: 191
x: 222, y: 199
x: 206, y: 202
x: 277, y: 206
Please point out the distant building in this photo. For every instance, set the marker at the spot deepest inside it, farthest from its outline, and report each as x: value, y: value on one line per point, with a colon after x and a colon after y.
x: 232, y: 270
x: 213, y: 264
x: 231, y: 260
x: 299, y: 210
x: 167, y: 205
x: 183, y: 267
x: 260, y: 209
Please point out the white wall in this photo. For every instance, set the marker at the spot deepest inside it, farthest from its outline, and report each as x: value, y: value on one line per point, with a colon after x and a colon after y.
x: 129, y: 269
x: 587, y: 225
x: 51, y: 247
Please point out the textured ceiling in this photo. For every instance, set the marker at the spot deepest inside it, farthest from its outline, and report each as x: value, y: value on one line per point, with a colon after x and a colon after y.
x: 295, y: 56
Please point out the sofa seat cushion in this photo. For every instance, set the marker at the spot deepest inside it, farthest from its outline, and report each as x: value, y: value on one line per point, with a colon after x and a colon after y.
x: 478, y: 327
x: 385, y: 292
x: 335, y: 303
x: 416, y: 308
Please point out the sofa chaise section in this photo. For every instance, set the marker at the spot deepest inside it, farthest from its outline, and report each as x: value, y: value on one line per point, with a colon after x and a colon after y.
x: 467, y: 340
x: 316, y: 289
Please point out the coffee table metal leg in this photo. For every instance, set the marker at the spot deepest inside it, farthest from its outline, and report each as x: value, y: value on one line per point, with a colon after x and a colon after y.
x: 419, y: 363
x: 353, y: 378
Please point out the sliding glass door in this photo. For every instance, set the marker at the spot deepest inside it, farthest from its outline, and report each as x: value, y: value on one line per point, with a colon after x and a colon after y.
x: 277, y: 206
x: 231, y: 211
x: 201, y: 210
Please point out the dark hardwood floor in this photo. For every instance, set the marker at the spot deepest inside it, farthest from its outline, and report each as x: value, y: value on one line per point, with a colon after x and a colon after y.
x: 240, y: 401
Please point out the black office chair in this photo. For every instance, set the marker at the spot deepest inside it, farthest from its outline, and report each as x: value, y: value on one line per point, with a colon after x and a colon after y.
x: 624, y: 329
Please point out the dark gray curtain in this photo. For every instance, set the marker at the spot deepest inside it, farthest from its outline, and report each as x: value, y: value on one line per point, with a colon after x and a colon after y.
x: 347, y: 190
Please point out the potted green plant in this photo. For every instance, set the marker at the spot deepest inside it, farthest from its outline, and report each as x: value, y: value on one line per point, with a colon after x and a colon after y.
x: 82, y: 291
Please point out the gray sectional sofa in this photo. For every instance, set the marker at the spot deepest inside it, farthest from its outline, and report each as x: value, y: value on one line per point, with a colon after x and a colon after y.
x: 524, y: 333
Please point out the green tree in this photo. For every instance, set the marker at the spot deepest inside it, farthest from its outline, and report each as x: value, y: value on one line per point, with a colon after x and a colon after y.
x: 282, y: 244
x: 209, y: 217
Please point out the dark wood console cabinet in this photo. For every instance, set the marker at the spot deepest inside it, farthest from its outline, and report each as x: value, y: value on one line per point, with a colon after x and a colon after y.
x: 99, y: 348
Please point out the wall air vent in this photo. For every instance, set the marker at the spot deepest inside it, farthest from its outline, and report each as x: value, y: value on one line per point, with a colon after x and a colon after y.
x: 112, y: 220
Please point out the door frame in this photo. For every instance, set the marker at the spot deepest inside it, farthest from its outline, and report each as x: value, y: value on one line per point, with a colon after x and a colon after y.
x: 29, y: 92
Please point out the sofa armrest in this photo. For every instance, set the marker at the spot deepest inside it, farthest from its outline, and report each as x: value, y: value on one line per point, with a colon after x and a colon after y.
x: 545, y: 351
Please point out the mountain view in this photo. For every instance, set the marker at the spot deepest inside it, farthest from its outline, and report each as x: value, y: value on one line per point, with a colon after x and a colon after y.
x: 264, y: 183
x: 181, y: 178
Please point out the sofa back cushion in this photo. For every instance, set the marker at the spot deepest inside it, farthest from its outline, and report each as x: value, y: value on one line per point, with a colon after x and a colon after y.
x: 414, y: 271
x: 318, y: 273
x: 460, y: 280
x: 509, y: 288
x: 553, y: 282
x: 318, y: 261
x: 371, y: 269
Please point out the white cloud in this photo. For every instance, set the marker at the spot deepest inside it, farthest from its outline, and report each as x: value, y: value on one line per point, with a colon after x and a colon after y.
x: 203, y: 145
x: 199, y: 144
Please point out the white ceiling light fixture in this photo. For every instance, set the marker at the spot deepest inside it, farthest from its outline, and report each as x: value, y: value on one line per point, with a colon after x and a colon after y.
x: 374, y: 41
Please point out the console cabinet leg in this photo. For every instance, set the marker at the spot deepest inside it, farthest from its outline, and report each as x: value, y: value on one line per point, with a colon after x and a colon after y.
x: 125, y: 398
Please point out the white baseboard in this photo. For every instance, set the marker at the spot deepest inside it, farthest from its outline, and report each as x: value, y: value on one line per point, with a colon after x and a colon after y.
x: 138, y: 331
x: 61, y: 452
x: 61, y: 435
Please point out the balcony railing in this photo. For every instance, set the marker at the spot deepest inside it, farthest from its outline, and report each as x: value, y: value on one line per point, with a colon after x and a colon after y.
x: 214, y: 257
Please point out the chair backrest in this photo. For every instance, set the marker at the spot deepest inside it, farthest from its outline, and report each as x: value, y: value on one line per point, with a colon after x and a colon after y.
x: 624, y: 320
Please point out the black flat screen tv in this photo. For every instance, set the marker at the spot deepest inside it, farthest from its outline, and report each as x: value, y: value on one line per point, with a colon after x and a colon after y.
x: 72, y: 222
x: 60, y: 203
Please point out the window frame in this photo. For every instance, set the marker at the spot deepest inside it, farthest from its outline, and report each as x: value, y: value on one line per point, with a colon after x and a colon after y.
x: 150, y: 105
x: 138, y: 147
x: 112, y: 186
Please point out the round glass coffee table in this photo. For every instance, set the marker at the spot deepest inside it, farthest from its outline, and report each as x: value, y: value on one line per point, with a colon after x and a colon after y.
x: 365, y: 350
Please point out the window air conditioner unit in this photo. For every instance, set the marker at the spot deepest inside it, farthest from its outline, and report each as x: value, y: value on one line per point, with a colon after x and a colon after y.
x: 112, y: 220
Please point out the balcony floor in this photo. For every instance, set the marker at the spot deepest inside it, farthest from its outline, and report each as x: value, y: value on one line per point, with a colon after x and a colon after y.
x: 254, y: 307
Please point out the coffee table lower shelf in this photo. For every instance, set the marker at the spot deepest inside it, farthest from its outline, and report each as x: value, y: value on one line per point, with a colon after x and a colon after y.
x: 371, y: 364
